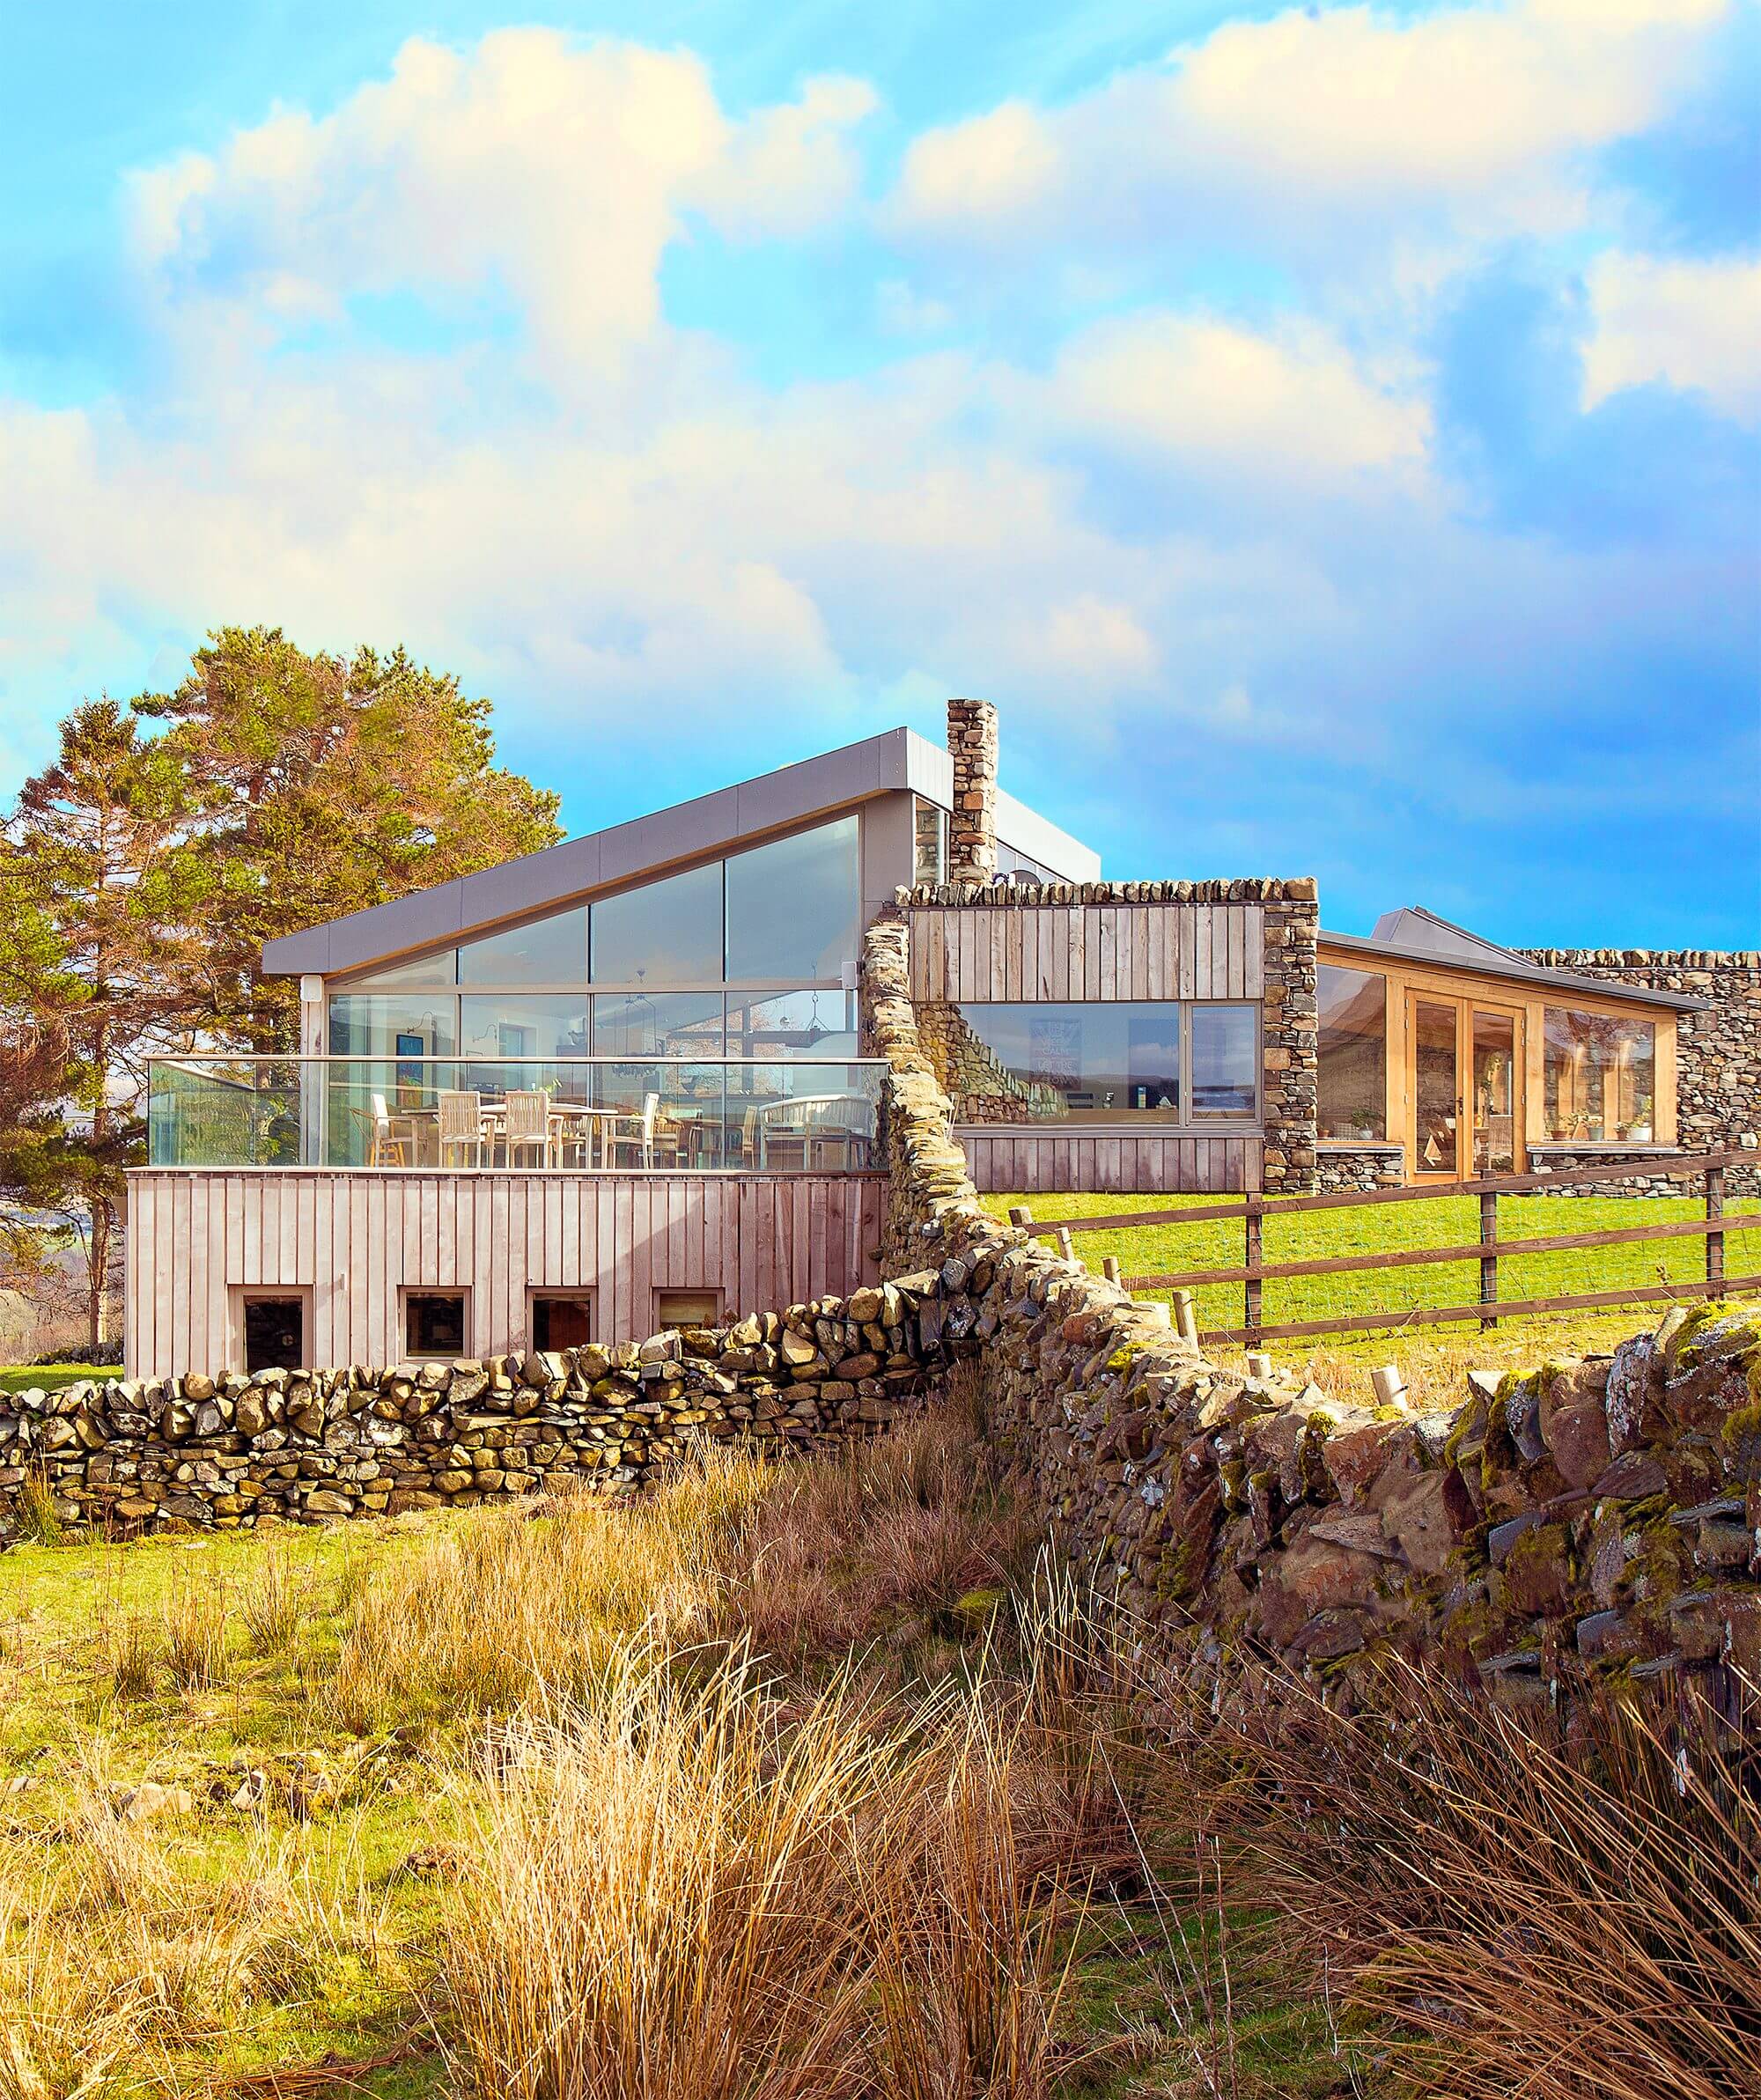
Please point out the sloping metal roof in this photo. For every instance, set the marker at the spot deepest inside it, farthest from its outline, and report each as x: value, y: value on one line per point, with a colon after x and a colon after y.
x: 730, y: 817
x: 1414, y: 935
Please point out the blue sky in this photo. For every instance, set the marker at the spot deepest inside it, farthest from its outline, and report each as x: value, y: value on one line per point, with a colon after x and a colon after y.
x: 1332, y: 436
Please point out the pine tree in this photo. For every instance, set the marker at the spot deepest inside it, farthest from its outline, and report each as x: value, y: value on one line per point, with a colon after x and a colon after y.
x: 101, y: 965
x: 323, y: 786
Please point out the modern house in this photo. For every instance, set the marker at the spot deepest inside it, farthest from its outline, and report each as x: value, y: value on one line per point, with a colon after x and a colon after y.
x: 618, y: 1085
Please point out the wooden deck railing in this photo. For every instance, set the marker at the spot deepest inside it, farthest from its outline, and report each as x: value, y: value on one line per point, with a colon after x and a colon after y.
x: 1254, y: 1271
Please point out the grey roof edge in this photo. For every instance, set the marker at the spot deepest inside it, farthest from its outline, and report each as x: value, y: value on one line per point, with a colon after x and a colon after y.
x: 1504, y: 963
x: 930, y: 774
x: 894, y: 759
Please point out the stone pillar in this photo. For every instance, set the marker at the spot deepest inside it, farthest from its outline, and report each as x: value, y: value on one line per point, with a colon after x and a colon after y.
x: 972, y: 830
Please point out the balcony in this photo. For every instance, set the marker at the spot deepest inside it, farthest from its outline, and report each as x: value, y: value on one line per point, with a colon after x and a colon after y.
x: 576, y: 1114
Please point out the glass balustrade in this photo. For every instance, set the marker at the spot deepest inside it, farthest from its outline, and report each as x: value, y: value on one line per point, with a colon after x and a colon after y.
x: 583, y: 1114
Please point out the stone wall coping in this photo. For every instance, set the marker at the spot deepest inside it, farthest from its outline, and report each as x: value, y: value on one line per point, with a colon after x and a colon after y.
x: 1252, y: 889
x: 1356, y: 1145
x: 1644, y: 958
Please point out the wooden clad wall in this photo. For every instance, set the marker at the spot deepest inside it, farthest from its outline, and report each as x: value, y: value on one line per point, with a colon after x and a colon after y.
x: 352, y: 1240
x: 1076, y: 952
x: 1028, y: 1162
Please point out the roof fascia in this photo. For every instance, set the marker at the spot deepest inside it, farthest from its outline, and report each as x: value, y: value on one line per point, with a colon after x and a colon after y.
x: 1511, y: 968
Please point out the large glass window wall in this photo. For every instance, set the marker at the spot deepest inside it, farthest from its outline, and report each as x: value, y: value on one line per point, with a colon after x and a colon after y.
x: 1353, y: 1006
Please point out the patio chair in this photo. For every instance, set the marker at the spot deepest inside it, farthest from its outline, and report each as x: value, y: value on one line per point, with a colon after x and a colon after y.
x: 528, y: 1123
x: 646, y: 1136
x: 389, y: 1139
x: 461, y: 1127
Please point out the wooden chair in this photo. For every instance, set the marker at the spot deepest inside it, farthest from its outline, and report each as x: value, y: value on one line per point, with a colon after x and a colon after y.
x: 389, y: 1137
x: 528, y: 1123
x: 646, y: 1135
x: 461, y: 1126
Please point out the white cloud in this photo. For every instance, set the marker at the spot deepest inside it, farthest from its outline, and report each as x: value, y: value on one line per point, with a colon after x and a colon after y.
x: 554, y: 171
x: 1294, y: 405
x: 1695, y: 326
x: 1316, y: 117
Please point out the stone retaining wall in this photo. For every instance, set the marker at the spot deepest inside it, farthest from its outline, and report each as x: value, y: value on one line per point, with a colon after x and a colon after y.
x: 1718, y: 1085
x: 1598, y: 1515
x: 1344, y: 1167
x: 303, y: 1446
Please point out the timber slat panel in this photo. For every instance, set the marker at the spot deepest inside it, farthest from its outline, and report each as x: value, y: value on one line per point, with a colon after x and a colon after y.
x: 1014, y: 1161
x: 354, y: 1243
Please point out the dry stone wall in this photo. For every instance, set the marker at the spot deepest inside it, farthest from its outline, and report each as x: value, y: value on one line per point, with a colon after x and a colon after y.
x: 1602, y: 1514
x: 1717, y: 1084
x: 200, y: 1453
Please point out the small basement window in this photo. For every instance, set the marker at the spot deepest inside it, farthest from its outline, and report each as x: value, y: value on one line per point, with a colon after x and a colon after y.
x: 560, y: 1321
x: 434, y: 1324
x: 275, y: 1333
x: 687, y: 1309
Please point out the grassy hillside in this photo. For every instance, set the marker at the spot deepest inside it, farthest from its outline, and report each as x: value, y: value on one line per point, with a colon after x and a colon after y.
x: 800, y: 1785
x: 1432, y: 1356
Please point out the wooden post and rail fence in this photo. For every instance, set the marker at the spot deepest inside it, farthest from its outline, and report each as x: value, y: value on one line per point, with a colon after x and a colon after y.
x: 1255, y: 1272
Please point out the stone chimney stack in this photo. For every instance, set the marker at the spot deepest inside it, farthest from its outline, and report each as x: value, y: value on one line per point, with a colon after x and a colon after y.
x: 972, y: 831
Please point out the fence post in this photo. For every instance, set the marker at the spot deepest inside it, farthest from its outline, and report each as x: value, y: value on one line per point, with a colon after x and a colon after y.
x: 1251, y: 1290
x: 1067, y: 1246
x: 1488, y: 1262
x: 1185, y: 1319
x: 1020, y: 1214
x: 1715, y: 1208
x: 1110, y: 1269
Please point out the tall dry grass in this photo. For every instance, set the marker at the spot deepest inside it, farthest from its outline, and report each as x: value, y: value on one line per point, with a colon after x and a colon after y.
x: 121, y: 1963
x: 709, y: 1891
x: 1512, y: 1903
x: 541, y: 1604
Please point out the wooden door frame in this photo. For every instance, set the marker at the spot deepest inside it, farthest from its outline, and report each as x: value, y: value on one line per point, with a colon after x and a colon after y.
x: 1466, y: 1002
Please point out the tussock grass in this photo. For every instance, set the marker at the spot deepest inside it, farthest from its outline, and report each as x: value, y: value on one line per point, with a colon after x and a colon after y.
x: 540, y: 1603
x: 196, y: 1636
x: 1528, y: 1908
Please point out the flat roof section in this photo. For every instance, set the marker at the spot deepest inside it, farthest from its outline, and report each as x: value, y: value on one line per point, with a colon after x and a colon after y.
x: 793, y: 795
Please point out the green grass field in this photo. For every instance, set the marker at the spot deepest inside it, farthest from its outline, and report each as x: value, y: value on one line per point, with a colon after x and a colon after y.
x: 17, y: 1377
x: 1449, y: 1221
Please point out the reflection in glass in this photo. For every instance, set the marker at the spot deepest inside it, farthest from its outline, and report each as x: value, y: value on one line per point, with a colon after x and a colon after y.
x: 793, y: 906
x: 437, y: 972
x: 667, y: 1024
x: 371, y: 1024
x: 1599, y: 1075
x: 1494, y: 1092
x: 492, y: 1026
x: 1434, y: 1086
x: 929, y: 842
x: 667, y: 932
x: 784, y: 1024
x: 1353, y: 1006
x: 1225, y: 1060
x: 545, y: 951
x: 1067, y: 1063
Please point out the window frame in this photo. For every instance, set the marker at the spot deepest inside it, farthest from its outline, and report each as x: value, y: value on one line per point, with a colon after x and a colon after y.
x: 463, y: 1291
x: 1143, y: 1122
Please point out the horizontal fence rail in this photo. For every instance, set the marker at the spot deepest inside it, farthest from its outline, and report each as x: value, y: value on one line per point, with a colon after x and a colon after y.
x: 1254, y: 1270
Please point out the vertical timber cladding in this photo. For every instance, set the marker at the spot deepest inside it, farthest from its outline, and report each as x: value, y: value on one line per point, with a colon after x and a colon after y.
x: 1074, y: 942
x: 349, y: 1245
